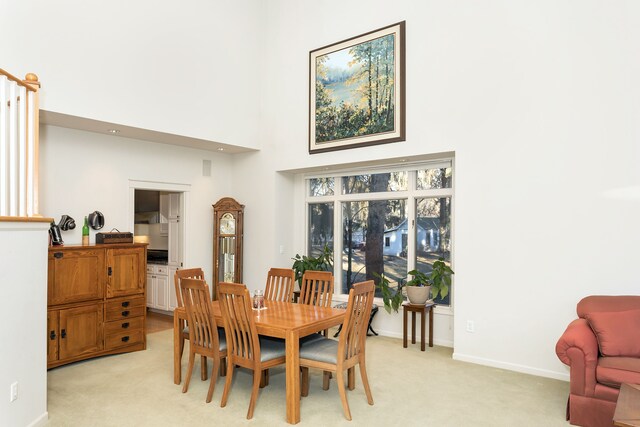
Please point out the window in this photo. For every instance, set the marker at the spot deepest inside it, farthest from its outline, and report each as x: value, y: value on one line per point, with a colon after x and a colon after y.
x: 390, y: 221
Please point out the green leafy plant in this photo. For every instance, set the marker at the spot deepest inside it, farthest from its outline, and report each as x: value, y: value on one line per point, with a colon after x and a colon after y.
x: 439, y: 279
x: 323, y: 262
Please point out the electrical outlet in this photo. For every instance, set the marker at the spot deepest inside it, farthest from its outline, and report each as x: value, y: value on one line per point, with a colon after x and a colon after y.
x: 471, y: 327
x: 14, y: 391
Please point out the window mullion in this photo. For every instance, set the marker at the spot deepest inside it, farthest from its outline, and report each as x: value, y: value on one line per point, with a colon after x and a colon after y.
x: 411, y: 218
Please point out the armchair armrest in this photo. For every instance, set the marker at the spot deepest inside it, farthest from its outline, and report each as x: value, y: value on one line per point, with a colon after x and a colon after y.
x: 578, y: 348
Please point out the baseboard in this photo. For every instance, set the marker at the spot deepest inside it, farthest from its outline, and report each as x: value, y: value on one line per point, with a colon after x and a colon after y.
x: 42, y: 420
x: 512, y: 367
x: 442, y: 343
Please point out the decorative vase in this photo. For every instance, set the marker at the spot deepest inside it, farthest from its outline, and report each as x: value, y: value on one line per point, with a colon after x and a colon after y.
x: 418, y: 294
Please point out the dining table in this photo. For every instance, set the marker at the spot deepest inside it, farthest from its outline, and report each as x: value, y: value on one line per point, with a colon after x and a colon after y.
x: 289, y: 321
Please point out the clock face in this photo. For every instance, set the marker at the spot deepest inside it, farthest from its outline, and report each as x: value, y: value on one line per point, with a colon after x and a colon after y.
x: 227, y: 224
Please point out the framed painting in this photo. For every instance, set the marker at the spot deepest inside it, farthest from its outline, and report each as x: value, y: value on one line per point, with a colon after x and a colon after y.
x: 357, y: 91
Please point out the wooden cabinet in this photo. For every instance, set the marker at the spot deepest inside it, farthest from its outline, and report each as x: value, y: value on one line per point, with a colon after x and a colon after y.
x: 227, y: 242
x: 96, y: 302
x: 125, y: 271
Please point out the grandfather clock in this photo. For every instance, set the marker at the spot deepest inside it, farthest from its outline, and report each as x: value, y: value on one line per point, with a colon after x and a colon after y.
x: 227, y: 242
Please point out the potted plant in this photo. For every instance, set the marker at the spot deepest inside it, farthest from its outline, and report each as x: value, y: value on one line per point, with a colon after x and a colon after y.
x: 436, y: 283
x: 323, y: 262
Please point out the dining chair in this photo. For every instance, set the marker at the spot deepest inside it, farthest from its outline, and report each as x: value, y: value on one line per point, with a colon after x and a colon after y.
x: 317, y: 290
x: 244, y: 347
x: 279, y: 285
x: 205, y: 338
x: 342, y: 355
x: 188, y: 273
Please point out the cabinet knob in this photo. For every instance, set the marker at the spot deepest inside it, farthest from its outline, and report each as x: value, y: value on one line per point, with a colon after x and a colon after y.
x: 52, y: 335
x: 125, y: 339
x: 58, y: 255
x: 125, y: 325
x: 63, y: 333
x: 125, y: 304
x: 125, y: 313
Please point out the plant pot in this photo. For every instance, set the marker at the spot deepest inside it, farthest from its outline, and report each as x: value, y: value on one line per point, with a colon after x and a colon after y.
x: 418, y: 294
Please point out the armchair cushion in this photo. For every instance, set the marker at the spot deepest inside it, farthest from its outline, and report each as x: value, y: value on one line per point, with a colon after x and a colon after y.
x: 613, y: 371
x: 618, y: 332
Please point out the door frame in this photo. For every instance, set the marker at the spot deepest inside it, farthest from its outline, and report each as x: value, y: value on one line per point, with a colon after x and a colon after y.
x: 169, y: 187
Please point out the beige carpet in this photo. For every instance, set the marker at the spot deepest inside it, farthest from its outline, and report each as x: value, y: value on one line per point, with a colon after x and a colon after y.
x: 410, y: 388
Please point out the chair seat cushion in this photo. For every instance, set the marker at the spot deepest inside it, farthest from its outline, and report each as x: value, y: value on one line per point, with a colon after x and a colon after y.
x: 613, y: 371
x: 271, y: 348
x: 311, y: 338
x: 325, y: 350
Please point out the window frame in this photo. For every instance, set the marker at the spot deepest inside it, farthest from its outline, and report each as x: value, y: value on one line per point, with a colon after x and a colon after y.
x: 411, y: 195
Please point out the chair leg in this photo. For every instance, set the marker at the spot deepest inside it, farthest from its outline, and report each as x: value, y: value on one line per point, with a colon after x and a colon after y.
x: 203, y: 368
x: 365, y: 381
x: 223, y: 367
x: 192, y: 359
x: 227, y: 383
x: 214, y: 378
x: 343, y: 394
x: 304, y: 385
x: 351, y: 378
x: 264, y: 378
x: 181, y: 345
x: 326, y: 376
x: 257, y: 374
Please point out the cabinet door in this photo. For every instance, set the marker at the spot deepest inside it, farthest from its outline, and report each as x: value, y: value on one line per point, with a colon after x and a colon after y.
x: 173, y: 300
x: 81, y: 330
x: 164, y: 207
x: 162, y: 295
x: 53, y: 334
x: 76, y: 275
x: 126, y: 271
x: 175, y: 243
x: 151, y: 290
x: 174, y: 205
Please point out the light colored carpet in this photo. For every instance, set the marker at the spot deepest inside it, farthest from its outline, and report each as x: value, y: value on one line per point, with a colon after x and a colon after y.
x: 410, y: 388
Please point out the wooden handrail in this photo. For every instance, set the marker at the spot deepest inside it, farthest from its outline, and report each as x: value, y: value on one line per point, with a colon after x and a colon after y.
x: 30, y: 82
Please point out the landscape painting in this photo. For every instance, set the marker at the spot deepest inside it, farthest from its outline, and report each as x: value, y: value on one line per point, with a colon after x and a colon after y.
x: 357, y: 91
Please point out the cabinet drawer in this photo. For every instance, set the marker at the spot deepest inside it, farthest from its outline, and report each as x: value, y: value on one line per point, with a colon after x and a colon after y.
x: 149, y: 269
x: 122, y: 339
x: 123, y: 326
x: 162, y: 269
x: 123, y: 308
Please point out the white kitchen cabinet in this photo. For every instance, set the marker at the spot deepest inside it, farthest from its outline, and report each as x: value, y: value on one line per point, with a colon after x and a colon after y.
x: 174, y: 205
x: 164, y: 214
x: 158, y: 287
x: 175, y: 243
x: 173, y: 301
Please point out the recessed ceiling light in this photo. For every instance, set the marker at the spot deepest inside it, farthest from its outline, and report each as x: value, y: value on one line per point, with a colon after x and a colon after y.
x: 220, y: 149
x: 113, y: 131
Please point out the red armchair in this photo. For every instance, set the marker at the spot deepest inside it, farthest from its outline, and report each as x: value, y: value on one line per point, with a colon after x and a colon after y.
x: 602, y: 349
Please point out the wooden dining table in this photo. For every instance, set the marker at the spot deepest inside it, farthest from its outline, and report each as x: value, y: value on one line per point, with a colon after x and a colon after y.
x: 289, y: 321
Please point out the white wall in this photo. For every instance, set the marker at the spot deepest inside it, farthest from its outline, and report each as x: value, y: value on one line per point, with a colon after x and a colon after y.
x: 538, y: 100
x: 23, y: 288
x: 82, y: 172
x: 189, y: 68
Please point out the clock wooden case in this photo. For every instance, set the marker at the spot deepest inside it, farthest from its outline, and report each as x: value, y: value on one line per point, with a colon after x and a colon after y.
x: 228, y: 216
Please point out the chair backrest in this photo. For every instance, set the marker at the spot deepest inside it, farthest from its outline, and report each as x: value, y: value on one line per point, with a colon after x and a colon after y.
x: 317, y: 288
x: 356, y: 321
x: 239, y: 324
x: 279, y: 284
x: 203, y: 330
x: 191, y: 273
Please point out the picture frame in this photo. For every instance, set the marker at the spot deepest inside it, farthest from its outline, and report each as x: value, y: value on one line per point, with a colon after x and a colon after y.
x: 357, y: 91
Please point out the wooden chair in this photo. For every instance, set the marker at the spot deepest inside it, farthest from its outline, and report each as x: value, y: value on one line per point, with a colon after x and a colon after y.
x: 244, y: 347
x: 317, y: 289
x: 188, y: 273
x: 279, y: 284
x: 204, y: 336
x: 340, y: 356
